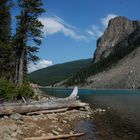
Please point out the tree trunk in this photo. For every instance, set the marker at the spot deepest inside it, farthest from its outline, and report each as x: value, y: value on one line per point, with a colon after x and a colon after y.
x: 20, y: 69
x: 16, y: 72
x: 49, y: 105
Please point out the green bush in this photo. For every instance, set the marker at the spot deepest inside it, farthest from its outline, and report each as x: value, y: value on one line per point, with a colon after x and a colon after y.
x: 25, y: 91
x: 7, y: 89
x: 10, y: 91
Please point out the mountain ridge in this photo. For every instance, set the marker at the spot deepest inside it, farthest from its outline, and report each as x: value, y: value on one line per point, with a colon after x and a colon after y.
x: 56, y: 73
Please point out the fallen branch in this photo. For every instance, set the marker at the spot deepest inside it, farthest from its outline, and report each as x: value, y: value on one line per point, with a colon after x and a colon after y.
x: 55, y: 137
x: 48, y: 111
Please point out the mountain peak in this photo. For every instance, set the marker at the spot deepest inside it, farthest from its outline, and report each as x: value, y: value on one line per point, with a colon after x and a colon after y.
x: 118, y: 29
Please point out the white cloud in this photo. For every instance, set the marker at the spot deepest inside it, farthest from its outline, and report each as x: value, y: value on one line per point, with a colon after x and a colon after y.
x: 106, y: 19
x: 95, y: 31
x: 53, y: 25
x: 40, y: 64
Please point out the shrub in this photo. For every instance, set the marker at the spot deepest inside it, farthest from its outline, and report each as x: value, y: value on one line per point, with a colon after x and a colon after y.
x: 7, y: 89
x: 10, y: 91
x: 25, y: 91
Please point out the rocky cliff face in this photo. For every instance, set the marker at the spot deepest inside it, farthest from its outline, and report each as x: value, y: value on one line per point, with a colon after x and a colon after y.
x: 118, y: 29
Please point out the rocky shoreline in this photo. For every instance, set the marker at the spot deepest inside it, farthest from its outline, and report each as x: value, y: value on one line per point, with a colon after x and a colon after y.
x: 21, y: 126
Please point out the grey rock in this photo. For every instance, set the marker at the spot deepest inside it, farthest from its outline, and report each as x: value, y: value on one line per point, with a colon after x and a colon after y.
x: 14, y: 128
x: 16, y: 116
x: 5, y: 117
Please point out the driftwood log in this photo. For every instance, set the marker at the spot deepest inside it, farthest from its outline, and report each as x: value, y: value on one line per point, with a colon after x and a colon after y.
x: 23, y: 109
x: 56, y: 137
x: 52, y: 104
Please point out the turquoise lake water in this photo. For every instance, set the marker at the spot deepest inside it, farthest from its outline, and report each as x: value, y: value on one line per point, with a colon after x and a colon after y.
x: 121, y: 121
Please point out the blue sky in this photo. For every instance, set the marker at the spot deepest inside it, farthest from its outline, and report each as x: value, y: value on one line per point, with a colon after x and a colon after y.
x: 72, y: 27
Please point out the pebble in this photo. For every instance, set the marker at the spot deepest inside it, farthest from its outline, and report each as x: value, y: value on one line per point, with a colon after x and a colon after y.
x: 7, y: 136
x: 43, y: 135
x: 20, y: 122
x: 99, y: 110
x: 82, y: 109
x: 64, y: 121
x: 54, y: 121
x: 55, y: 132
x: 14, y: 128
x: 39, y: 131
x: 50, y: 134
x: 14, y: 134
x: 35, y: 119
x: 59, y: 129
x: 8, y: 131
x: 88, y: 116
x: 5, y: 117
x: 71, y: 132
x: 19, y: 131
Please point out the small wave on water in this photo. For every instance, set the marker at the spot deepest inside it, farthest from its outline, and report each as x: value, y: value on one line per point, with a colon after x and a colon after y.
x: 88, y: 127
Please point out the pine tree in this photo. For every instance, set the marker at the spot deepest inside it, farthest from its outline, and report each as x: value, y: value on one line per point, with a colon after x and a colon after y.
x: 28, y: 32
x: 5, y: 39
x: 5, y: 21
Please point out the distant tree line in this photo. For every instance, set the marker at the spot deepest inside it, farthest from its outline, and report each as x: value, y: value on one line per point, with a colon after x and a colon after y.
x: 120, y: 51
x: 16, y: 51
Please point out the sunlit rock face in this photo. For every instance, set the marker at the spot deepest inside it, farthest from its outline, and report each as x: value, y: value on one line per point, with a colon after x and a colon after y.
x: 119, y: 28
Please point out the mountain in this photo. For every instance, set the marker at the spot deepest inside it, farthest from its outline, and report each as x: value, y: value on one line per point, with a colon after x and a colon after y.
x: 123, y: 75
x: 121, y: 40
x: 56, y: 73
x: 116, y: 61
x: 119, y: 28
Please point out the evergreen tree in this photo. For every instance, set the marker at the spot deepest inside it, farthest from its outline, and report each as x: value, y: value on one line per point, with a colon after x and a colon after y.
x: 5, y: 21
x: 5, y: 39
x: 28, y: 32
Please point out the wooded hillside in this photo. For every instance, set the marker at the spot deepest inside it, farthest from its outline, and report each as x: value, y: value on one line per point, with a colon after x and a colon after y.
x: 56, y: 73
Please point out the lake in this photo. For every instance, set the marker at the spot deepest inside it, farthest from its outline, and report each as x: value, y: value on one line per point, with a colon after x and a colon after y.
x: 121, y: 121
